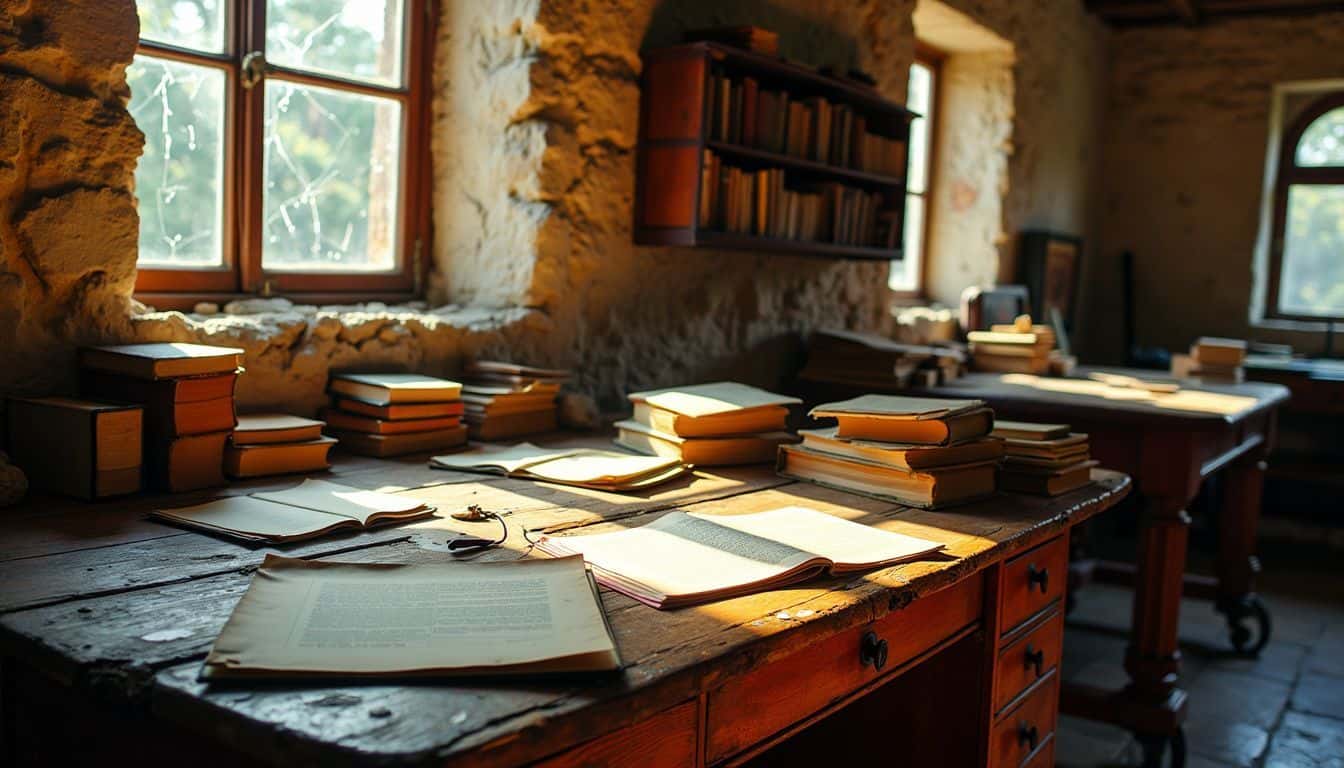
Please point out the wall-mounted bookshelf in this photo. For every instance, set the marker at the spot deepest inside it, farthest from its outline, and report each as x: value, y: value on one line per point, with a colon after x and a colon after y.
x: 743, y: 151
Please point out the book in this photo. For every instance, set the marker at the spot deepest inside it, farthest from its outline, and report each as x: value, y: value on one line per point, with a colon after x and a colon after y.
x: 583, y: 467
x: 505, y: 425
x: 114, y: 387
x: 1214, y: 352
x: 389, y: 388
x: 684, y: 558
x: 1052, y: 484
x: 80, y: 448
x: 186, y: 463
x: 1046, y: 448
x: 1037, y: 465
x: 261, y: 459
x: 383, y: 446
x: 712, y: 410
x: 161, y: 361
x: 309, y: 619
x: 169, y: 420
x: 902, y: 455
x: 477, y: 368
x: 312, y: 508
x: 702, y: 451
x: 266, y: 428
x: 398, y: 412
x: 927, y: 488
x: 1022, y: 430
x: 354, y: 422
x: 897, y: 419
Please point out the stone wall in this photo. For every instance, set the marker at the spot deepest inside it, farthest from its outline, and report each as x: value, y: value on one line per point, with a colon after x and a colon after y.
x: 1187, y: 129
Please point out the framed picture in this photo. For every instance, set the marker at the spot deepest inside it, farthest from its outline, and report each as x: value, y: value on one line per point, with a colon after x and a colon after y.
x: 1049, y: 265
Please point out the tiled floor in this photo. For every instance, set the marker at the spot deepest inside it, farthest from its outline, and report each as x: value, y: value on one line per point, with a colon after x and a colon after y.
x: 1282, y: 710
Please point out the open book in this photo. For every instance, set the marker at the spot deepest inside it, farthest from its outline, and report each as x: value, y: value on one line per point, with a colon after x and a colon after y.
x: 583, y: 467
x: 684, y: 558
x: 308, y: 510
x: 324, y: 619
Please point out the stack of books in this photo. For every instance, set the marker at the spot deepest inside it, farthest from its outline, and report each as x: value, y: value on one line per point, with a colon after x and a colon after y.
x: 186, y: 391
x: 1044, y: 459
x: 708, y: 424
x: 76, y: 447
x: 391, y: 414
x: 1214, y: 359
x: 920, y: 452
x: 876, y: 363
x: 276, y: 444
x: 1016, y: 348
x: 506, y: 400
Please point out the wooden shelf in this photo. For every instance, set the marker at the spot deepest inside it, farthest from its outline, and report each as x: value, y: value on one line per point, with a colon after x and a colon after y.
x: 776, y: 160
x: 738, y: 241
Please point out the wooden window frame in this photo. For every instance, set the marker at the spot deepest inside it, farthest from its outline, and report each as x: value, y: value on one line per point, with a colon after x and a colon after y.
x: 242, y: 275
x: 1288, y: 174
x: 931, y: 58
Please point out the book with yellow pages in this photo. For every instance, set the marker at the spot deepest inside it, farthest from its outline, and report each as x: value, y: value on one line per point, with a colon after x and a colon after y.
x: 684, y: 558
x: 1050, y: 482
x: 166, y: 360
x: 928, y: 488
x: 583, y: 467
x: 310, y: 509
x: 390, y: 388
x: 903, y: 455
x: 1023, y: 430
x: 263, y: 428
x: 898, y: 419
x: 702, y: 451
x: 717, y: 409
x: 262, y: 459
x: 311, y: 619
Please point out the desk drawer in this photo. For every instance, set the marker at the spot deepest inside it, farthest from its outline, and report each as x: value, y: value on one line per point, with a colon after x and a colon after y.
x: 750, y: 708
x: 1032, y: 581
x: 1029, y: 658
x: 1024, y: 730
x: 666, y: 739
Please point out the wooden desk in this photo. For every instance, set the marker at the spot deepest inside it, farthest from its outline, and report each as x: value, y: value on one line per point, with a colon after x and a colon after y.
x: 1169, y: 451
x: 106, y: 616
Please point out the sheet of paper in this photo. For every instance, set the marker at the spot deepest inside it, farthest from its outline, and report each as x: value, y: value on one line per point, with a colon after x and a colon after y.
x: 834, y: 538
x: 713, y: 398
x: 509, y: 459
x: 341, y: 500
x: 253, y: 517
x: 601, y: 467
x: 347, y: 618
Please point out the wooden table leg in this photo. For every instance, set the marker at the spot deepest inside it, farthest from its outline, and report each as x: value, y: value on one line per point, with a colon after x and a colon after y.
x: 1238, y: 523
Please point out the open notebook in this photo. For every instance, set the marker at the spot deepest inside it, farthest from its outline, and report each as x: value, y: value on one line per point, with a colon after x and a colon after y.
x: 684, y: 558
x: 308, y: 510
x: 323, y: 619
x: 587, y: 468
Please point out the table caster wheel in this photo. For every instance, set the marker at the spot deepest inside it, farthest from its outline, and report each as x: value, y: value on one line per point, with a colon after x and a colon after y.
x: 1245, y: 641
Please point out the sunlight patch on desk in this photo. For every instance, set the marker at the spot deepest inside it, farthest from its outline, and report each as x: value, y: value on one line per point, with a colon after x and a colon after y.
x: 1181, y: 400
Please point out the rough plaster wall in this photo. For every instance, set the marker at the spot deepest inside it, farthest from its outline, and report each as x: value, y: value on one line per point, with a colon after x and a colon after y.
x: 1185, y: 154
x: 68, y: 148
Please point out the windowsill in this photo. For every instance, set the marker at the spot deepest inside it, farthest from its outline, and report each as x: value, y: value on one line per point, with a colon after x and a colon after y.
x: 1295, y: 326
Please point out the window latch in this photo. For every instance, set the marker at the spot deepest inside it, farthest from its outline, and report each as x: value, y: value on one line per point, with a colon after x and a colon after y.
x: 254, y: 69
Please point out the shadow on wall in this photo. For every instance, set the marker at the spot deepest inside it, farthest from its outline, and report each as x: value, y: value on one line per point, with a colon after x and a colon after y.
x: 800, y: 38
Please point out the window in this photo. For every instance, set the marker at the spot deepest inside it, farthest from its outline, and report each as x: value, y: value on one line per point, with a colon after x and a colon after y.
x: 907, y: 275
x: 285, y: 146
x: 1307, y: 254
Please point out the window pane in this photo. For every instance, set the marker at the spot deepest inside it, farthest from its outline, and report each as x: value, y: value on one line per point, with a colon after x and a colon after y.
x: 347, y: 38
x: 1312, y: 278
x: 920, y: 93
x: 1323, y: 142
x: 921, y: 85
x: 196, y: 24
x: 330, y: 178
x: 180, y: 178
x: 905, y: 273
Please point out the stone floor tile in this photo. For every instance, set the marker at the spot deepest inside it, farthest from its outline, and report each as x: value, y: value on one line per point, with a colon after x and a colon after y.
x: 1307, y: 741
x: 1278, y: 661
x: 1239, y: 744
x: 1200, y: 761
x: 1220, y: 696
x: 1083, y: 744
x: 1320, y: 695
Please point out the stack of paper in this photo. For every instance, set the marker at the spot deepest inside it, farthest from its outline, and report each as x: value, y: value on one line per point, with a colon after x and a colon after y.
x: 1018, y: 348
x: 583, y: 467
x: 276, y: 444
x: 708, y: 424
x: 922, y: 452
x: 507, y: 400
x: 390, y: 414
x: 1045, y: 459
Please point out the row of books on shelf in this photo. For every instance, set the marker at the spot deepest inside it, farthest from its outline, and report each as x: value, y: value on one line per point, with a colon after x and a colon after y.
x: 742, y: 112
x: 758, y: 202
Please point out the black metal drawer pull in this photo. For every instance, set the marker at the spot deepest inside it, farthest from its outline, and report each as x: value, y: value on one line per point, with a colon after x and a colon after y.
x: 873, y: 650
x: 1038, y: 576
x: 1026, y: 734
x: 1035, y: 657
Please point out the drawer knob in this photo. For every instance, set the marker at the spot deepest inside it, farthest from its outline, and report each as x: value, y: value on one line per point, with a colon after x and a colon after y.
x: 1039, y: 576
x: 1035, y: 657
x: 873, y: 650
x: 1027, y: 734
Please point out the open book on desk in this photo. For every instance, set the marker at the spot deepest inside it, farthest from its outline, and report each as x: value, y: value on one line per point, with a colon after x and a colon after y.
x: 582, y: 467
x: 684, y: 558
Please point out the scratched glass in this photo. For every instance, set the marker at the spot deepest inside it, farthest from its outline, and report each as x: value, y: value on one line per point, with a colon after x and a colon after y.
x: 194, y: 24
x: 354, y: 39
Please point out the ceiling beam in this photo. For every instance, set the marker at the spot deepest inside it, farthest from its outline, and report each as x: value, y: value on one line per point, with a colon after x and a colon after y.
x: 1186, y: 9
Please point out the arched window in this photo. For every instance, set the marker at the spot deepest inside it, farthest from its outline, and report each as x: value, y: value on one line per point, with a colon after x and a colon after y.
x: 1307, y: 254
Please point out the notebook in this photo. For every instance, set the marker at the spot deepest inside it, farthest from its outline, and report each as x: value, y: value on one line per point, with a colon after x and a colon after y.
x: 712, y: 410
x: 312, y: 508
x: 308, y: 619
x: 897, y: 419
x: 586, y: 468
x: 903, y: 455
x: 702, y: 451
x: 162, y: 361
x: 683, y: 558
x: 389, y: 388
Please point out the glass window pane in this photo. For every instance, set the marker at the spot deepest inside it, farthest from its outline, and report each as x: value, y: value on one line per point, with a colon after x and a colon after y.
x: 179, y: 181
x: 905, y: 273
x: 195, y: 24
x: 1322, y: 144
x: 921, y: 95
x: 1311, y: 280
x: 331, y: 178
x: 359, y: 39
